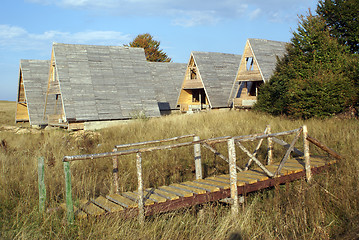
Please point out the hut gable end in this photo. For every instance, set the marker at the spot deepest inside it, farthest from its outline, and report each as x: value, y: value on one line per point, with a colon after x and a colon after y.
x: 209, y: 75
x: 256, y: 67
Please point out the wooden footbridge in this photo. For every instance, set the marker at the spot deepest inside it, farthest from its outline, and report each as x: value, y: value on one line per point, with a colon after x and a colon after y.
x: 252, y: 177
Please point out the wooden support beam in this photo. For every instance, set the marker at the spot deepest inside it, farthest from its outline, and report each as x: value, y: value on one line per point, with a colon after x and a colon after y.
x: 212, y: 149
x: 197, y: 158
x: 153, y: 142
x: 41, y: 183
x: 286, y: 145
x: 255, y: 151
x: 115, y: 173
x: 308, y: 172
x: 255, y: 160
x: 323, y: 147
x: 68, y: 189
x: 254, y: 137
x: 270, y: 146
x: 288, y: 151
x: 141, y: 209
x: 233, y: 176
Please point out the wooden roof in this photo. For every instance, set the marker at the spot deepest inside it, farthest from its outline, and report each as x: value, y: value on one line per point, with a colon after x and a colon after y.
x: 35, y: 77
x: 167, y: 79
x: 265, y: 53
x: 104, y: 82
x: 217, y: 71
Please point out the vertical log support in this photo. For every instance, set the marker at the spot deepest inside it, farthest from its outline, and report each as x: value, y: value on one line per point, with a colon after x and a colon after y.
x: 41, y: 181
x: 115, y: 173
x: 141, y: 210
x: 233, y: 175
x: 197, y: 158
x: 69, y: 203
x: 270, y: 146
x: 308, y: 171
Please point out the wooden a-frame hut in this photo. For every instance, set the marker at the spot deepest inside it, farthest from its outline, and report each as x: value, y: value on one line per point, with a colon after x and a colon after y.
x: 33, y: 76
x: 98, y: 83
x: 208, y: 81
x: 167, y: 78
x: 256, y: 67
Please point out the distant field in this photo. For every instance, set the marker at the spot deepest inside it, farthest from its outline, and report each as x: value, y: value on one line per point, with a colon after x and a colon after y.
x: 328, y: 208
x: 7, y: 112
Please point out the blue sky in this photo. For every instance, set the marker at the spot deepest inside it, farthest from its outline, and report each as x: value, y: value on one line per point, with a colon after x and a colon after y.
x: 29, y: 27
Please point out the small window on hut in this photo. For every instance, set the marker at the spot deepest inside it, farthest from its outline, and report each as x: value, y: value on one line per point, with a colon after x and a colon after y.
x: 193, y: 74
x: 249, y: 63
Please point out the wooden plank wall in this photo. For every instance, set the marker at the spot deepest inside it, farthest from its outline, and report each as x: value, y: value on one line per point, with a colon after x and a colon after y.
x: 22, y: 114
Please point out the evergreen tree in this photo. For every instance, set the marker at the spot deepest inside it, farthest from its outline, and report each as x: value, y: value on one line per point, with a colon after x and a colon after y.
x: 314, y: 78
x: 341, y: 16
x: 152, y: 48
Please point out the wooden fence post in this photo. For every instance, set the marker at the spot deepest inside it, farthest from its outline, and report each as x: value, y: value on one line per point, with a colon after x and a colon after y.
x: 233, y: 175
x: 141, y: 210
x: 270, y: 146
x: 41, y: 181
x: 69, y: 203
x: 115, y: 172
x: 197, y: 158
x: 308, y: 171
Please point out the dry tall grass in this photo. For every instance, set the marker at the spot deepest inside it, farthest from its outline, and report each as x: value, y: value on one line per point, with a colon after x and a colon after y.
x: 327, y: 208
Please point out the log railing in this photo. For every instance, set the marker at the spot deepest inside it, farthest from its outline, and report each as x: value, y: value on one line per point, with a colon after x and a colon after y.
x: 210, y: 145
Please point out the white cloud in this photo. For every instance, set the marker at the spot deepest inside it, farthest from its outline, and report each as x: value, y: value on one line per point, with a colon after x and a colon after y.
x: 191, y: 12
x: 9, y: 32
x: 17, y: 38
x: 195, y: 18
x: 255, y: 14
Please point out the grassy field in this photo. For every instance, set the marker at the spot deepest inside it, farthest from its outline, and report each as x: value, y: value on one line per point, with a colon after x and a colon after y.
x: 328, y: 208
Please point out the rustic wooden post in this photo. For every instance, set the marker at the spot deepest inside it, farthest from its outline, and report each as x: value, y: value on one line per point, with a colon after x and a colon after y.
x: 308, y: 172
x: 115, y: 172
x: 141, y: 210
x: 233, y: 175
x: 69, y: 203
x: 41, y: 181
x: 197, y: 158
x: 270, y: 146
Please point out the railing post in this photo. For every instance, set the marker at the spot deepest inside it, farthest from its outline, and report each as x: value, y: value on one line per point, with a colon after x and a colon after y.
x: 270, y: 146
x: 141, y: 210
x: 41, y: 182
x: 115, y: 172
x: 308, y: 171
x: 233, y: 175
x: 69, y: 203
x: 197, y: 158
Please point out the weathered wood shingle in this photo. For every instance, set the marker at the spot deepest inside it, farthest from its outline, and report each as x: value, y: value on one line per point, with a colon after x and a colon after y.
x: 266, y: 53
x: 35, y: 77
x: 167, y: 78
x: 217, y: 71
x: 104, y: 82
